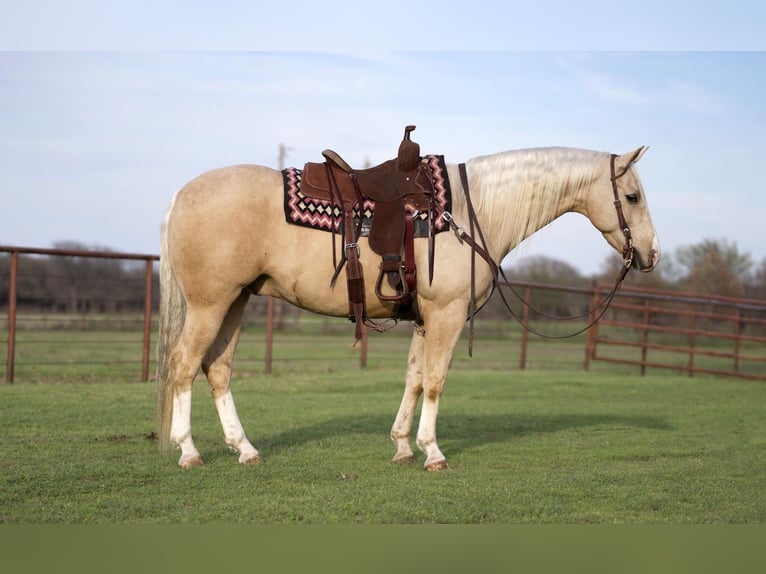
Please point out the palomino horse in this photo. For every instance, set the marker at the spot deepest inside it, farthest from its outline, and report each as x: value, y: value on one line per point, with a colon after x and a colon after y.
x: 225, y: 237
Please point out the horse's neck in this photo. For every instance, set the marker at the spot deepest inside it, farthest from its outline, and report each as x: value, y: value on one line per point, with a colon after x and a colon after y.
x: 517, y: 193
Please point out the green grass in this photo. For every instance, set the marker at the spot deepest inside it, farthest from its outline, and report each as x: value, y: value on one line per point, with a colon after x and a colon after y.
x: 549, y: 446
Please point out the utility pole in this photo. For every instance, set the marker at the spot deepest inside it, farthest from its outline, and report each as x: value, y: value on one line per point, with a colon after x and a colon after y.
x: 281, y: 157
x: 270, y: 301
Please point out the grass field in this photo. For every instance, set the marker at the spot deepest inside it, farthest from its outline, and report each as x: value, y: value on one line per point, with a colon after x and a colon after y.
x: 550, y: 445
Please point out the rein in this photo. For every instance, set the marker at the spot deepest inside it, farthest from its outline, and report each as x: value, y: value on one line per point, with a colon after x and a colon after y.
x: 480, y: 247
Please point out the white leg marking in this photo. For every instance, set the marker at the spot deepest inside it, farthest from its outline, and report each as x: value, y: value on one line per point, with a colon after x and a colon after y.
x: 180, y: 429
x: 427, y: 434
x: 233, y: 431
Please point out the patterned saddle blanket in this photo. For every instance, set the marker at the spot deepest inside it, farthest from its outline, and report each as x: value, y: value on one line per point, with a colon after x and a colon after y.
x: 325, y: 215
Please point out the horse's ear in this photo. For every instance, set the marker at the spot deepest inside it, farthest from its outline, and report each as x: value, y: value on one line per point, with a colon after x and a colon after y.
x: 625, y: 160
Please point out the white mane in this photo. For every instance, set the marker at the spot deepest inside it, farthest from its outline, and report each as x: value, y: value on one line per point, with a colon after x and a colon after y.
x: 519, y: 192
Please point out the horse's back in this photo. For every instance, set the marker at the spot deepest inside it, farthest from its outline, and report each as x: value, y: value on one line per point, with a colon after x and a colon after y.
x: 227, y: 187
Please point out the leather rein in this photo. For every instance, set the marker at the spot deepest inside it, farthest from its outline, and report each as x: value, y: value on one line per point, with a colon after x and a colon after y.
x: 480, y: 247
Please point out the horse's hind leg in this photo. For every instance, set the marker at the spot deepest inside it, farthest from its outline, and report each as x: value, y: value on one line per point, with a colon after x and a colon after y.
x: 201, y: 326
x: 217, y: 367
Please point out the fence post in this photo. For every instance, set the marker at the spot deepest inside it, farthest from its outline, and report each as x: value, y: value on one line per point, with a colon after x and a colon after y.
x: 524, y: 331
x: 11, y: 356
x: 590, y: 334
x: 363, y: 351
x: 147, y: 319
x: 645, y: 337
x: 738, y: 338
x: 692, y: 337
x: 269, y: 334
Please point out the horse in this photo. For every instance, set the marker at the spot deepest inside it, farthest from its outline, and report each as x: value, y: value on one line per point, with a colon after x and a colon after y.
x: 225, y: 238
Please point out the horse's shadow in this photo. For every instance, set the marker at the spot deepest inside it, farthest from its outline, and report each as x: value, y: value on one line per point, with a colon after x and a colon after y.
x: 461, y: 431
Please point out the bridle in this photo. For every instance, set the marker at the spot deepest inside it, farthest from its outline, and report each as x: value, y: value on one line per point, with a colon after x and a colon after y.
x: 480, y: 247
x: 628, y: 252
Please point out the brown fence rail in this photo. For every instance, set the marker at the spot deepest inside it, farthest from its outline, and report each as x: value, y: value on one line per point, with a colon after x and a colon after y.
x: 683, y: 332
x: 649, y: 329
x: 13, y: 295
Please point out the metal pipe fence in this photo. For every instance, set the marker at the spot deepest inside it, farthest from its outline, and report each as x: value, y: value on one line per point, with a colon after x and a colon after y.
x: 644, y: 328
x: 13, y: 296
x: 685, y: 332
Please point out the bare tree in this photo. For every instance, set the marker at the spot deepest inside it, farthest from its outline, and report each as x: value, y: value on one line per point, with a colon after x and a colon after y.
x: 714, y: 267
x: 756, y: 288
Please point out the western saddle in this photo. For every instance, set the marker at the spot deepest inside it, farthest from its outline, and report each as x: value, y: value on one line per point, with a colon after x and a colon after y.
x: 400, y: 188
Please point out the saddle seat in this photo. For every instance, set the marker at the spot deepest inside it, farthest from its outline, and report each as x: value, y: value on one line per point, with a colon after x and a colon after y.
x: 392, y: 179
x: 395, y: 186
x: 398, y: 187
x: 384, y: 182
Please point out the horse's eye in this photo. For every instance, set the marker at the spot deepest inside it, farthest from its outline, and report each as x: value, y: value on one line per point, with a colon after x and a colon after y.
x: 632, y: 198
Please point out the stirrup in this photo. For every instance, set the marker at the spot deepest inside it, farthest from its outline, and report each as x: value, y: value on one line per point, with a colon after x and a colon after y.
x: 391, y: 264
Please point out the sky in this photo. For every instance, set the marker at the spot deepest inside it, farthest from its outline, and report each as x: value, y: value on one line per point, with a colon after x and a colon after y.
x: 106, y: 109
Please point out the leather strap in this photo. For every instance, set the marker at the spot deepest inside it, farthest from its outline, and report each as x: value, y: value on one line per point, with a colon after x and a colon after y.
x: 475, y: 229
x: 406, y: 306
x: 497, y: 272
x: 354, y: 276
x: 627, y: 249
x: 431, y: 239
x: 410, y: 273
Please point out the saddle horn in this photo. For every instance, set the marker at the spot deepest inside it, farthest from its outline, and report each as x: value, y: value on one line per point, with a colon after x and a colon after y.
x: 408, y: 157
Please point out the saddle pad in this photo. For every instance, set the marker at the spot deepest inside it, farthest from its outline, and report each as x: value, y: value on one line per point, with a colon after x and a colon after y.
x: 323, y: 215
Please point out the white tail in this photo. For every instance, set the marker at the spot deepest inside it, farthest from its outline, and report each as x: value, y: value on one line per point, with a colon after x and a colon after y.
x: 171, y: 322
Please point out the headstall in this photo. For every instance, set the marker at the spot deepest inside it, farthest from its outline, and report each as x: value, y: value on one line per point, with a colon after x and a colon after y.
x: 480, y: 247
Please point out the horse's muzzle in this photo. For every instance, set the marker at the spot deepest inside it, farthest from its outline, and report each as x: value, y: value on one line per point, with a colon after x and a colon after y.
x: 645, y: 265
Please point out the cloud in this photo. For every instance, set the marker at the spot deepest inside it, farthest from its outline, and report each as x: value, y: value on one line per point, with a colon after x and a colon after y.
x: 613, y: 89
x: 636, y: 80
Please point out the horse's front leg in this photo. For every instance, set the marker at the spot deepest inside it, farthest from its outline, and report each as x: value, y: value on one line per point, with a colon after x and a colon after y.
x: 400, y: 431
x: 442, y: 334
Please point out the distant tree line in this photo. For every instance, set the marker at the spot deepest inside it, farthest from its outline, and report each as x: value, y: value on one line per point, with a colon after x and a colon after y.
x: 710, y: 267
x: 69, y: 284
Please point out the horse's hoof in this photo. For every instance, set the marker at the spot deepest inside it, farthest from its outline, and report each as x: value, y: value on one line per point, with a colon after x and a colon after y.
x: 191, y: 462
x: 408, y: 459
x: 253, y: 460
x: 437, y: 466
